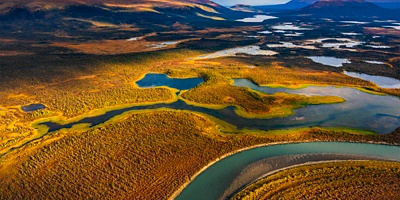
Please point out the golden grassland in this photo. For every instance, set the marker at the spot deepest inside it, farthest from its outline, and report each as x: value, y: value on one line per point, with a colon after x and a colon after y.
x: 84, y: 87
x: 80, y: 85
x: 110, y: 84
x: 334, y: 180
x: 138, y: 155
x: 382, y: 31
x: 150, y: 6
x: 107, y: 47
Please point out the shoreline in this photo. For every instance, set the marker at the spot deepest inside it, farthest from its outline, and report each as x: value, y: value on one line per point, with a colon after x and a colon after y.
x: 271, y: 165
x: 183, y: 186
x: 61, y: 119
x: 240, y: 111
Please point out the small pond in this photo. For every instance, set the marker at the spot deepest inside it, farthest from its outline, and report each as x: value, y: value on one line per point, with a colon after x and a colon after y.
x: 378, y: 46
x: 290, y: 45
x: 33, y: 107
x: 256, y: 18
x: 249, y: 50
x: 330, y: 61
x: 290, y: 27
x: 337, y: 43
x: 374, y: 62
x: 155, y: 80
x: 354, y: 22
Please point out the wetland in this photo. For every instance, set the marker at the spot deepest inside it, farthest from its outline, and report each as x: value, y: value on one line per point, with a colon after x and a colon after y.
x: 97, y: 100
x: 360, y: 110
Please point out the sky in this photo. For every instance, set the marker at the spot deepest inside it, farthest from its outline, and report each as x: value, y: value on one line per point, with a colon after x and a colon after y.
x: 250, y: 2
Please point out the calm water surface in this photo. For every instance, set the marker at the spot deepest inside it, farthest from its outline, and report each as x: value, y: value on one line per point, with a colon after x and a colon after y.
x: 381, y: 81
x: 330, y: 61
x: 155, y: 80
x: 33, y: 107
x: 361, y: 110
x: 212, y: 183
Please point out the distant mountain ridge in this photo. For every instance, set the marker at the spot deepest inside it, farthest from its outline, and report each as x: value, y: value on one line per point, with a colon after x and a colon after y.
x: 297, y: 4
x: 347, y: 9
x: 291, y: 5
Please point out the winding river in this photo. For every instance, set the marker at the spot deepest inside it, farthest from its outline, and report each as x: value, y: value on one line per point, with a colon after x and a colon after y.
x: 216, y: 179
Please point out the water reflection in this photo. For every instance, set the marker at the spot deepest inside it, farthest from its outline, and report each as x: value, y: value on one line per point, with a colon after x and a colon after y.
x: 361, y: 110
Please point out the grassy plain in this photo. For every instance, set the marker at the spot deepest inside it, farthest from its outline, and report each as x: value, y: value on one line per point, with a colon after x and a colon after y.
x: 84, y: 70
x: 335, y: 180
x: 80, y: 84
x: 131, y: 151
x: 83, y: 83
x: 142, y: 155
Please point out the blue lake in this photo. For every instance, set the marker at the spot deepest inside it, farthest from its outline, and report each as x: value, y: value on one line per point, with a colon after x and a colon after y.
x: 155, y: 80
x: 33, y: 107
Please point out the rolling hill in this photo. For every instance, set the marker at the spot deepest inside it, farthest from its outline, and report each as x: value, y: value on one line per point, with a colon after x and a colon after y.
x: 298, y: 4
x: 347, y: 9
x: 42, y: 19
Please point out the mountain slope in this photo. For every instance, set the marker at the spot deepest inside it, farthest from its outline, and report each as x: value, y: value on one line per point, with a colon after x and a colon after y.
x: 243, y: 8
x: 355, y: 9
x: 68, y: 17
x: 297, y: 4
x: 291, y: 5
x: 27, y: 9
x: 137, y: 5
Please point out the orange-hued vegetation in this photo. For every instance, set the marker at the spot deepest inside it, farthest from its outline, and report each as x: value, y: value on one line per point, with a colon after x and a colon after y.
x: 75, y: 93
x: 335, y: 180
x: 108, y: 47
x: 81, y: 59
x: 142, y: 155
x: 395, y: 92
x: 81, y: 84
x: 135, y: 147
x: 382, y: 31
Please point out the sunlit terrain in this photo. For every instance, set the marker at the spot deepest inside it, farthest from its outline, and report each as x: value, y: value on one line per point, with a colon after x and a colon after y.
x: 156, y: 99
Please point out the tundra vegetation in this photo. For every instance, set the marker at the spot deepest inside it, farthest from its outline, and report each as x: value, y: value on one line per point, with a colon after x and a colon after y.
x: 80, y: 86
x: 138, y: 155
x: 334, y: 180
x: 145, y: 155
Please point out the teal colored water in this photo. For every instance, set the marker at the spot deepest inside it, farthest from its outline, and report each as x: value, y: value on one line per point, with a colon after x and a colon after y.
x: 155, y: 80
x: 361, y: 110
x: 212, y: 183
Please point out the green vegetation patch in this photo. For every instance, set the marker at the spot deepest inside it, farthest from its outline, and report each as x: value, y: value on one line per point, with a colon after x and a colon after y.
x: 218, y: 92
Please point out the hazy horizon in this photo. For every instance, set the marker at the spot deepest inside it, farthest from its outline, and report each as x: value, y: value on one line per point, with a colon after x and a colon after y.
x: 254, y: 2
x: 274, y: 2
